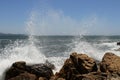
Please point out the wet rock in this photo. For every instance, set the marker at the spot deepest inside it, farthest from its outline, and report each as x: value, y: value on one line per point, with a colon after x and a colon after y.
x: 16, y: 69
x: 42, y: 78
x: 21, y: 71
x: 90, y: 76
x: 77, y: 64
x: 82, y: 67
x: 110, y: 63
x: 118, y: 43
x: 24, y: 76
x: 60, y: 79
x: 41, y: 70
x: 20, y: 65
x: 67, y: 70
x: 54, y: 78
x: 49, y: 65
x: 83, y: 63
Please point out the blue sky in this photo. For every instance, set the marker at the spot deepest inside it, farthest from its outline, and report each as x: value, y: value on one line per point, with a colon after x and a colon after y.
x: 61, y: 17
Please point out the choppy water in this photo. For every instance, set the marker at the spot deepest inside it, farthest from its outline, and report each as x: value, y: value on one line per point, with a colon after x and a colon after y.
x: 52, y: 48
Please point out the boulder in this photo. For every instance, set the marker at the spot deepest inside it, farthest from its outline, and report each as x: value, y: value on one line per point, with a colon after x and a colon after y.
x: 24, y: 76
x: 60, y: 79
x: 77, y: 64
x: 67, y: 71
x: 42, y: 78
x: 118, y: 43
x: 20, y: 65
x: 16, y: 69
x: 110, y: 63
x: 21, y: 71
x: 83, y: 63
x: 91, y: 76
x: 41, y: 70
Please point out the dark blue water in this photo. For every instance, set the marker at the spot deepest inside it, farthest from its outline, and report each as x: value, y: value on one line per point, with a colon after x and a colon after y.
x: 58, y: 44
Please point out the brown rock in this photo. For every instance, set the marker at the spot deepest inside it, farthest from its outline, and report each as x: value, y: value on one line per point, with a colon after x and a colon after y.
x: 42, y: 78
x: 60, y: 79
x: 39, y: 70
x: 110, y: 63
x: 77, y: 64
x: 54, y: 78
x: 67, y: 70
x: 16, y: 69
x: 20, y: 65
x: 24, y: 76
x: 83, y: 63
x: 90, y: 76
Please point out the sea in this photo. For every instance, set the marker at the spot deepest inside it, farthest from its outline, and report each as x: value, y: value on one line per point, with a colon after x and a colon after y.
x: 55, y: 49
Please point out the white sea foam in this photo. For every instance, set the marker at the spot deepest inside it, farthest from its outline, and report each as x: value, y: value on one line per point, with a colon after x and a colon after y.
x: 83, y: 47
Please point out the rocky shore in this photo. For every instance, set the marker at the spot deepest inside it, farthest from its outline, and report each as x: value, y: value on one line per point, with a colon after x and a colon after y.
x: 76, y: 67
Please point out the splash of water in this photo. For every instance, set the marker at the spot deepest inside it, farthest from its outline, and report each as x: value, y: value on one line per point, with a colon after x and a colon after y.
x: 21, y: 50
x: 84, y: 47
x: 93, y: 49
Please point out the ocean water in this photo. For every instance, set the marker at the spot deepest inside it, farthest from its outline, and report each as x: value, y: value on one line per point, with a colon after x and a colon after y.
x: 55, y: 49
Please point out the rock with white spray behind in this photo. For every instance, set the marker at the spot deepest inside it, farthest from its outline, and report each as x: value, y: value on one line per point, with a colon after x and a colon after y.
x: 21, y: 71
x: 76, y: 67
